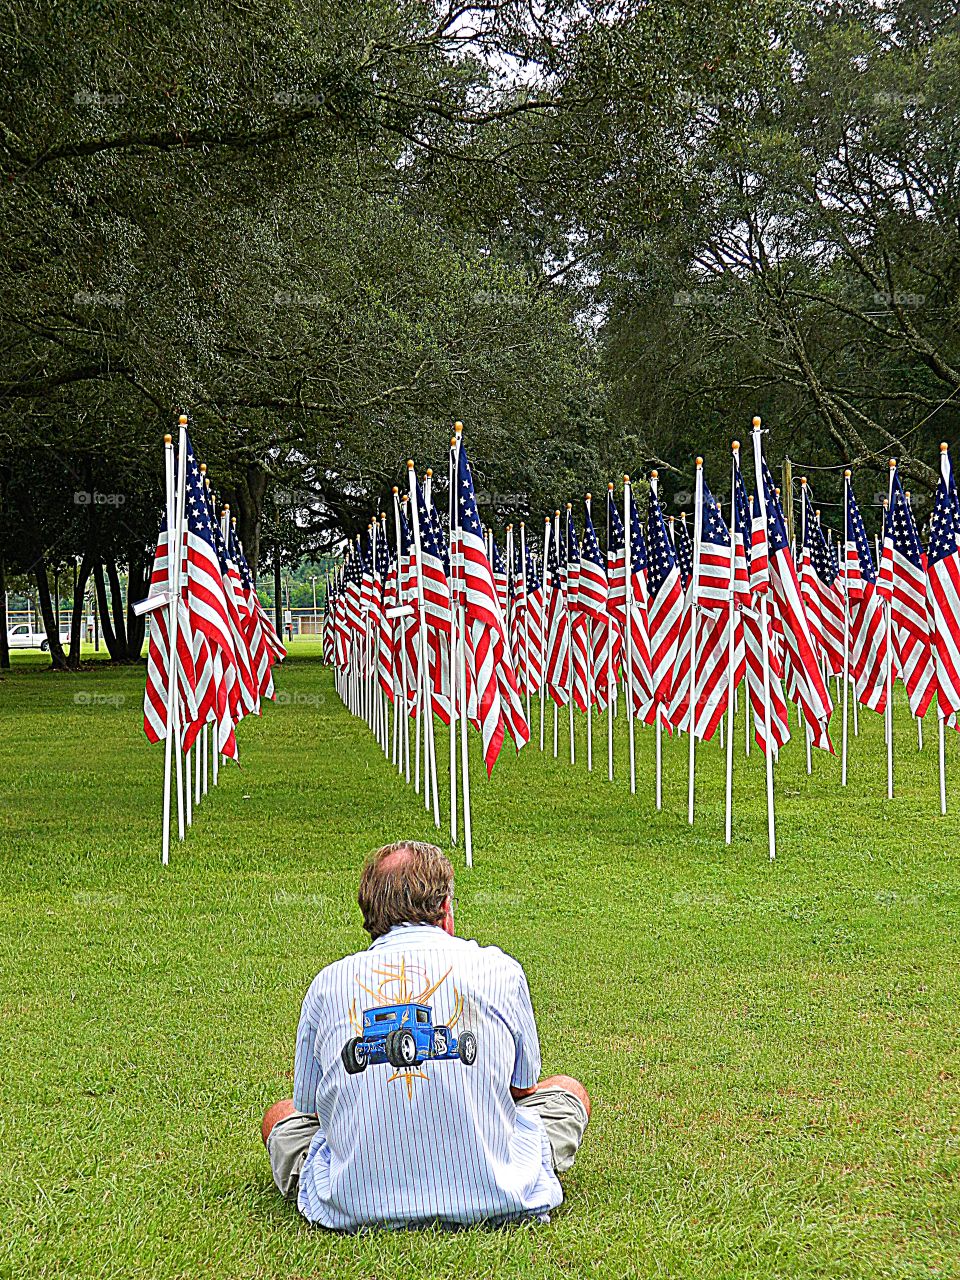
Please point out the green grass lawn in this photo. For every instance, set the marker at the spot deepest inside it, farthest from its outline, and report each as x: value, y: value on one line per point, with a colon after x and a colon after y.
x: 772, y: 1050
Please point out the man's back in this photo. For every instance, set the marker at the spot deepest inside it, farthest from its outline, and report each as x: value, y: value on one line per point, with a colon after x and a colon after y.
x: 407, y: 1053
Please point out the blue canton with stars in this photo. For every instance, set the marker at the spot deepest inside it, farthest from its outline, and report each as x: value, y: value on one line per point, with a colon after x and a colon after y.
x: 943, y: 525
x: 902, y: 528
x: 662, y: 558
x: 857, y: 534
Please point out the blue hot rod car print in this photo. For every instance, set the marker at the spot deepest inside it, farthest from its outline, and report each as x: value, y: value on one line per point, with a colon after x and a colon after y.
x: 404, y: 1036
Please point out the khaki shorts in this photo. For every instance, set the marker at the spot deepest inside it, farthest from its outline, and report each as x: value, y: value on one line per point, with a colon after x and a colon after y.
x: 563, y: 1115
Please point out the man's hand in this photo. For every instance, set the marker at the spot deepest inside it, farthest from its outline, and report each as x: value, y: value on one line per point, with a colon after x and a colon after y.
x: 522, y: 1093
x: 556, y: 1082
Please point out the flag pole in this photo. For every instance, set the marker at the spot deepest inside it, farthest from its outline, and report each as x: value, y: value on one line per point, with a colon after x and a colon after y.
x: 919, y: 719
x: 941, y: 748
x: 171, y: 643
x: 404, y: 761
x: 889, y: 620
x: 426, y: 706
x: 697, y: 535
x: 418, y: 696
x: 654, y: 485
x: 846, y: 636
x: 628, y: 624
x: 765, y: 648
x: 526, y: 615
x: 573, y: 748
x: 464, y: 741
x: 589, y: 626
x: 452, y: 643
x: 808, y: 731
x: 611, y: 678
x: 173, y: 691
x: 570, y: 645
x: 731, y: 646
x: 545, y: 588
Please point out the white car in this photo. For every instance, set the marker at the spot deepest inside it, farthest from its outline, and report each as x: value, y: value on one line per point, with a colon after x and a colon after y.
x: 22, y: 637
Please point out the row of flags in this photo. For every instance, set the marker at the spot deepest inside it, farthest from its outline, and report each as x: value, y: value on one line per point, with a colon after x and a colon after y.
x: 202, y: 591
x: 680, y: 627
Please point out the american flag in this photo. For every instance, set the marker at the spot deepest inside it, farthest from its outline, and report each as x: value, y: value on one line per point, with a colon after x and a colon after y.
x: 158, y: 650
x: 212, y: 606
x: 498, y: 701
x: 246, y: 685
x: 558, y: 627
x: 751, y: 621
x: 526, y: 624
x: 641, y: 672
x: 499, y: 567
x: 593, y: 590
x: 387, y: 627
x: 804, y: 677
x: 436, y: 589
x: 616, y: 562
x: 822, y: 596
x: 683, y: 548
x: 665, y: 605
x: 581, y: 651
x: 709, y: 592
x: 436, y: 604
x: 327, y: 642
x: 943, y: 567
x: 910, y: 620
x: 868, y: 633
x: 353, y: 587
x: 594, y: 594
x: 366, y: 581
x: 341, y: 623
x: 409, y: 647
x: 262, y: 641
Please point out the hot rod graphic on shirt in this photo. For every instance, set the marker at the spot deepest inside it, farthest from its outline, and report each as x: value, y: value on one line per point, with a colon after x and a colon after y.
x: 404, y: 1036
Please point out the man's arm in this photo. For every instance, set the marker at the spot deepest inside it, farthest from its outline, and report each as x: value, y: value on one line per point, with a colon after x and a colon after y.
x: 526, y: 1064
x: 306, y: 1068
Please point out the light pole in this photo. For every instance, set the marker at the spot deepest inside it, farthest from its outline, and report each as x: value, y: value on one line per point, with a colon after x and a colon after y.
x: 313, y: 579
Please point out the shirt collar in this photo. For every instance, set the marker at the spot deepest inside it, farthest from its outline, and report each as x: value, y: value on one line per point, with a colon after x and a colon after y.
x: 410, y: 932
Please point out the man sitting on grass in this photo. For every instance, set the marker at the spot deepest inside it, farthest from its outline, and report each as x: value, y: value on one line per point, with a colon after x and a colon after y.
x: 415, y: 1090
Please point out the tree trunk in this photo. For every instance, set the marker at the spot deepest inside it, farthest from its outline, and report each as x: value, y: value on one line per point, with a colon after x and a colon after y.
x: 76, y: 615
x: 248, y: 507
x: 138, y: 578
x: 57, y: 657
x: 4, y: 646
x: 106, y: 628
x: 116, y: 597
x: 277, y: 593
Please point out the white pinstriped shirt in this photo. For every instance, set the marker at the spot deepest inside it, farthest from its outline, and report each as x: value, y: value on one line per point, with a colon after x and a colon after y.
x: 441, y: 1140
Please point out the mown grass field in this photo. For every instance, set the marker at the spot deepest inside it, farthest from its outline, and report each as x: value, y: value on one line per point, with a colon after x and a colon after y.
x: 772, y: 1049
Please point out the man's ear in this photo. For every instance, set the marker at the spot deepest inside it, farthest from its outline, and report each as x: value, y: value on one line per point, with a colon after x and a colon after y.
x: 446, y: 917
